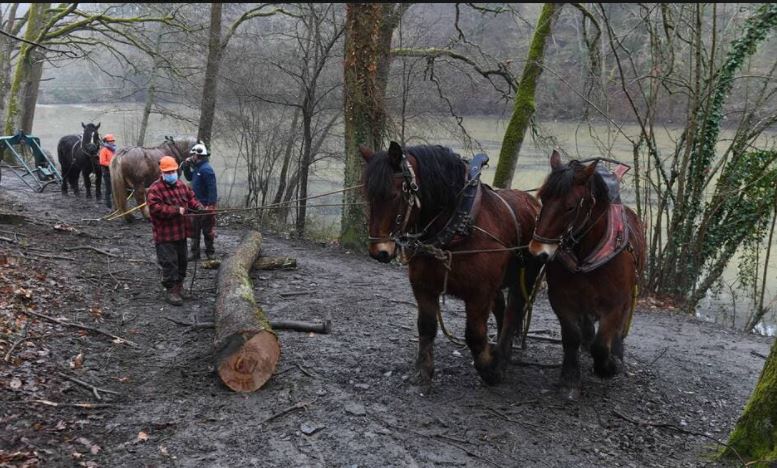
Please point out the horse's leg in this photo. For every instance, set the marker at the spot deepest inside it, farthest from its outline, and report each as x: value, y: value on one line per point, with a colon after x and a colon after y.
x: 73, y: 179
x: 98, y: 182
x: 588, y: 331
x: 499, y: 310
x: 428, y: 307
x: 140, y: 198
x: 87, y: 181
x: 65, y: 175
x: 569, y: 381
x: 488, y: 361
x: 609, y: 341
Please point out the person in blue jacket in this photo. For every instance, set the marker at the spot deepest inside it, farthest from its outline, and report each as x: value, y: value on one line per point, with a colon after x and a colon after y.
x: 199, y: 172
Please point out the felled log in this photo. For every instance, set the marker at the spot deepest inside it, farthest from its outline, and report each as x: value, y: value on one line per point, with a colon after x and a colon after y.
x: 246, y: 348
x: 275, y: 263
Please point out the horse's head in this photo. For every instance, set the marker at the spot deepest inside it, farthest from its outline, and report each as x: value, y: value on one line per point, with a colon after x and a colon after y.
x: 569, y: 195
x: 399, y: 210
x: 90, y: 140
x: 179, y: 147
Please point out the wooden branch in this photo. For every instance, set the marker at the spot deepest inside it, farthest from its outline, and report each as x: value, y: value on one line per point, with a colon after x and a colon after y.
x: 274, y: 263
x: 246, y: 348
x: 18, y: 341
x: 323, y: 328
x: 95, y: 390
x: 82, y: 327
x: 87, y: 247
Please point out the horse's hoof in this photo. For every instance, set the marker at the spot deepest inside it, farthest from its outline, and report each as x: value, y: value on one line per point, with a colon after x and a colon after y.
x: 569, y: 393
x: 492, y: 376
x: 608, y: 369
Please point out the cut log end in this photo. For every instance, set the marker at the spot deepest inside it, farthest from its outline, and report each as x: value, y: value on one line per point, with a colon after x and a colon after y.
x: 249, y: 366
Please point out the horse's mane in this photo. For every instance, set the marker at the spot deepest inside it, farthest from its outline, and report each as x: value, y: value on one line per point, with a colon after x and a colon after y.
x: 560, y: 182
x: 440, y: 173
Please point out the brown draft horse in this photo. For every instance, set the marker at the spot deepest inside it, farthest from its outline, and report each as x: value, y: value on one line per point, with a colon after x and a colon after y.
x: 138, y: 168
x: 588, y: 278
x: 415, y: 199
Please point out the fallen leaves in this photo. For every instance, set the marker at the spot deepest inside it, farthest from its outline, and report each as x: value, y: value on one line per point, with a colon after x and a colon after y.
x: 142, y: 437
x: 77, y: 362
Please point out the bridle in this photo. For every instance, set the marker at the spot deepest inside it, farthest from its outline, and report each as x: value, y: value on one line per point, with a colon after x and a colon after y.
x: 411, y: 199
x: 575, y: 233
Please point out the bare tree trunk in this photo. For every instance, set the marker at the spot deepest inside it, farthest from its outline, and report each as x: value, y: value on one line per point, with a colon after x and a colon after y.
x: 287, y: 159
x: 524, y: 98
x: 210, y: 87
x: 368, y: 31
x: 6, y: 50
x: 30, y: 91
x: 151, y: 91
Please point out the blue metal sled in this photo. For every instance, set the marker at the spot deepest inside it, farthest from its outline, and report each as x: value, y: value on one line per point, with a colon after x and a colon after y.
x: 39, y: 172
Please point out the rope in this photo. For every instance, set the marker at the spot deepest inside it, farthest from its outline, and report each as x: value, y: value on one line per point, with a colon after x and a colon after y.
x: 113, y: 217
x: 529, y: 305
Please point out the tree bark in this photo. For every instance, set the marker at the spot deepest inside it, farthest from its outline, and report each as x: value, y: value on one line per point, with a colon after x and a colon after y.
x: 368, y: 31
x: 525, y: 105
x: 210, y: 87
x: 151, y: 91
x: 30, y: 90
x: 755, y: 435
x: 24, y: 66
x: 246, y: 348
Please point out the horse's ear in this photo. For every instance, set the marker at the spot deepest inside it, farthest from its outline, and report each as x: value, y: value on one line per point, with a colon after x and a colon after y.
x: 98, y: 126
x: 366, y: 153
x: 589, y: 170
x: 395, y: 154
x: 82, y: 125
x: 555, y: 160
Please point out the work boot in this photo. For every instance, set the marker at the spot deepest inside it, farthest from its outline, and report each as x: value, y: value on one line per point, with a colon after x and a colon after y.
x: 183, y: 292
x: 174, y: 295
x: 210, y: 255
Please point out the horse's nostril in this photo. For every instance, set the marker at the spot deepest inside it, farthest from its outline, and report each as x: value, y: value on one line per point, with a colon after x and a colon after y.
x: 383, y: 256
x: 542, y: 257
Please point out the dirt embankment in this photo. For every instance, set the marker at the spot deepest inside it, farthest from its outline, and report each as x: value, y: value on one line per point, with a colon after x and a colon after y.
x: 343, y: 399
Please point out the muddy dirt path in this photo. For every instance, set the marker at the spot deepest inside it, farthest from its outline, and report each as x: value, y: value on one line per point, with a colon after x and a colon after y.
x: 343, y: 399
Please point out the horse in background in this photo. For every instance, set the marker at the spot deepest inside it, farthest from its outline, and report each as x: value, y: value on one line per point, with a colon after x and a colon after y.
x: 78, y: 154
x: 458, y: 237
x: 594, y: 249
x: 137, y: 167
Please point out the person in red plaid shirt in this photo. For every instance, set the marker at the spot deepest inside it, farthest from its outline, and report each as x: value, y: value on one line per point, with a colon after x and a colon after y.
x: 168, y: 201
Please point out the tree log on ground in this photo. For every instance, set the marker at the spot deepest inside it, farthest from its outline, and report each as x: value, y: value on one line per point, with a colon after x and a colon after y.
x: 247, y: 349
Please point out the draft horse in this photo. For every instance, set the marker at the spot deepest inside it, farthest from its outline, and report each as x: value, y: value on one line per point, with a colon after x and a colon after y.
x: 458, y: 237
x: 594, y: 250
x: 137, y: 167
x: 78, y: 154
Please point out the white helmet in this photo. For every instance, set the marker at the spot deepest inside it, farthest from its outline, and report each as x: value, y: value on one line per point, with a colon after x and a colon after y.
x: 200, y: 150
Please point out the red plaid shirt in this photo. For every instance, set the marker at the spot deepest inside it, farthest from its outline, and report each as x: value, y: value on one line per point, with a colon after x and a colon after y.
x: 164, y: 201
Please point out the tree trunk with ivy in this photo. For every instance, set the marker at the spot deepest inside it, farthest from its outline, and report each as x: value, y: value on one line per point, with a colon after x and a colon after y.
x: 754, y: 437
x: 525, y: 106
x: 368, y: 31
x: 706, y: 235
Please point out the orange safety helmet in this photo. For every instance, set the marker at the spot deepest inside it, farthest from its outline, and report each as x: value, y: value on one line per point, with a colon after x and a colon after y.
x: 167, y: 163
x: 109, y: 138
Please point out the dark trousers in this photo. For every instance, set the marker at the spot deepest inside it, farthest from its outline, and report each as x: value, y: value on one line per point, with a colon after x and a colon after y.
x: 172, y: 259
x: 107, y: 185
x: 204, y: 226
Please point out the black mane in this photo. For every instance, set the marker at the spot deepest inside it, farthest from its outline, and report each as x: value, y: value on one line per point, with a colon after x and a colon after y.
x: 441, y: 174
x: 560, y: 181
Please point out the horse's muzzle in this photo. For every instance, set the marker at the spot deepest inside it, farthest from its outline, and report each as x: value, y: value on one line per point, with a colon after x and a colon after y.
x: 383, y: 252
x: 542, y: 251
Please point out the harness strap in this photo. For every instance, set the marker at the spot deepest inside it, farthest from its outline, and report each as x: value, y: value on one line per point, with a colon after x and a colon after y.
x: 512, y: 215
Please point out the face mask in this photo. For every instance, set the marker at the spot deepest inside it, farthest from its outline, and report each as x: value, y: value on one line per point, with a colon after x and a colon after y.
x: 170, y: 178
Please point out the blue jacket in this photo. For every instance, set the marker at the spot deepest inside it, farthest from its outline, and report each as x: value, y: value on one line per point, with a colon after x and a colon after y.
x: 203, y: 179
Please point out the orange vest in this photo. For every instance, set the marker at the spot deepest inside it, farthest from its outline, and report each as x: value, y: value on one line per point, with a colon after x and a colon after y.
x: 105, y: 156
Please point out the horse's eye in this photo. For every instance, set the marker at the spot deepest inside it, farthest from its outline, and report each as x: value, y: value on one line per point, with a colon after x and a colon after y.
x: 570, y: 209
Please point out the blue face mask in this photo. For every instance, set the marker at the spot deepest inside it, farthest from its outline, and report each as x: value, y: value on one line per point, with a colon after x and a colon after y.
x: 170, y: 178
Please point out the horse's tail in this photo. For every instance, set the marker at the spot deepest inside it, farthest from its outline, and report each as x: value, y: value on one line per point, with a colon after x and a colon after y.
x: 118, y: 185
